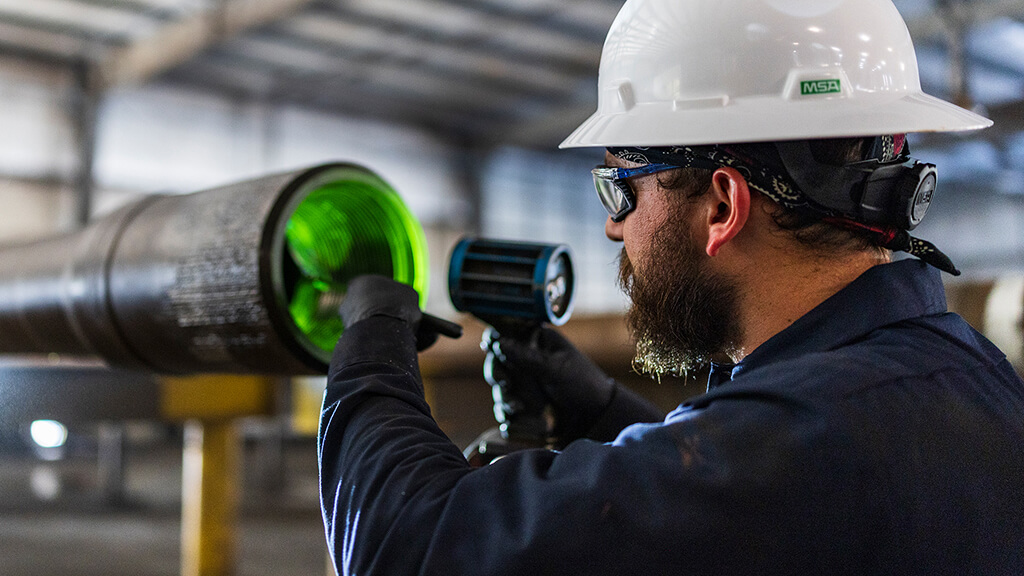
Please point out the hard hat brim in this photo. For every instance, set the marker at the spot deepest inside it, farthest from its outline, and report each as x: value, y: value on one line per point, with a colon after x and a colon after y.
x: 763, y: 120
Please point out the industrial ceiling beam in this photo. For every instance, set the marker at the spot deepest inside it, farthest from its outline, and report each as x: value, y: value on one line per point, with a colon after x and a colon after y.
x: 524, y: 52
x: 85, y: 104
x: 362, y: 40
x: 590, y: 21
x: 338, y: 95
x: 159, y: 8
x: 31, y: 41
x: 471, y: 97
x: 480, y: 30
x: 181, y: 40
x: 957, y: 23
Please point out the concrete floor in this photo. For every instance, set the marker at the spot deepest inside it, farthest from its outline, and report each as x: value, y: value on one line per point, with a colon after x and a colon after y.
x: 129, y: 543
x: 53, y: 519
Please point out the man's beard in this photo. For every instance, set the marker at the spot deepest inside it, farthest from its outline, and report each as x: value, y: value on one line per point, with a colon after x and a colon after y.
x: 682, y: 313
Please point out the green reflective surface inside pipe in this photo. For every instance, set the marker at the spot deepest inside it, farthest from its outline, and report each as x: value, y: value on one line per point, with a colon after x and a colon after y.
x: 340, y: 231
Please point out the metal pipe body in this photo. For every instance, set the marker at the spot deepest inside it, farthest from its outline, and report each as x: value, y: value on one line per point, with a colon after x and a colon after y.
x: 53, y: 293
x: 172, y: 284
x: 190, y: 282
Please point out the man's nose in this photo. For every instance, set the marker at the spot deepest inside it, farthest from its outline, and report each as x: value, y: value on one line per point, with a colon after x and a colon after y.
x: 613, y: 230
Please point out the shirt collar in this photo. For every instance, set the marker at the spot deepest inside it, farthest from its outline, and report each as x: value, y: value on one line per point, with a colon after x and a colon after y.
x: 720, y: 374
x: 883, y: 295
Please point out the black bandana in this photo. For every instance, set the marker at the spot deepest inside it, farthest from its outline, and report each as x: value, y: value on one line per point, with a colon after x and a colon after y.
x: 764, y: 171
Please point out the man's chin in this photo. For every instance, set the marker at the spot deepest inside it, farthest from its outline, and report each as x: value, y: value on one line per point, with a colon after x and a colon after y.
x: 656, y: 359
x: 682, y: 314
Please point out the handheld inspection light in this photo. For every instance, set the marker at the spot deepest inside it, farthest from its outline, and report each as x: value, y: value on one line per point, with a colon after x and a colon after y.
x: 503, y: 282
x: 515, y: 288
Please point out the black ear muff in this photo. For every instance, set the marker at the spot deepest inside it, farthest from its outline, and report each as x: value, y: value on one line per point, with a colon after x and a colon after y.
x: 926, y: 177
x: 896, y: 193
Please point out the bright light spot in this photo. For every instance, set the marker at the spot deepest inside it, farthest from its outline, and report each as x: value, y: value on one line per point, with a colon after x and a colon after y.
x: 814, y: 29
x: 48, y: 433
x: 865, y: 37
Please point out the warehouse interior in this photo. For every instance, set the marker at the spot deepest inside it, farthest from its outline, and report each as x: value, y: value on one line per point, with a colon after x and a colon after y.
x: 460, y: 105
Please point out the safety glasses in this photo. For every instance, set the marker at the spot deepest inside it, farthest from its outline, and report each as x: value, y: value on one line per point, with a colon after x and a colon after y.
x: 615, y: 193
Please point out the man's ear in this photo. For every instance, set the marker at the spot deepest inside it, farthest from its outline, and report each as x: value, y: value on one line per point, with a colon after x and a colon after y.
x: 729, y: 210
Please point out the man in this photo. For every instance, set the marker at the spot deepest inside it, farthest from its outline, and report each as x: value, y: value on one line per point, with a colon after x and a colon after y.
x: 758, y: 178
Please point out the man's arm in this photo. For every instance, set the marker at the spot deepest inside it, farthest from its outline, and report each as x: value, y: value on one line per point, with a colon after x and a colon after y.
x: 385, y: 466
x: 587, y: 402
x: 399, y: 498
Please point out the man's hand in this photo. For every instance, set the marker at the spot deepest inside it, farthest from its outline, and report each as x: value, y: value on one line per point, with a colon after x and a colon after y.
x: 588, y: 403
x: 379, y: 296
x: 577, y: 389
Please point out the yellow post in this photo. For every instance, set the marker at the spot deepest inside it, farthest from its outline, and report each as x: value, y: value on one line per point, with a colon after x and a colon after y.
x: 209, y: 498
x: 211, y: 477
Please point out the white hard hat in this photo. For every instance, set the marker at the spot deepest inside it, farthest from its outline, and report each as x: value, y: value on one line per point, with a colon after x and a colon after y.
x: 688, y: 72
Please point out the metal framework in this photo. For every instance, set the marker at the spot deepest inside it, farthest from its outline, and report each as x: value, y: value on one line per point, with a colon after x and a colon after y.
x: 480, y: 71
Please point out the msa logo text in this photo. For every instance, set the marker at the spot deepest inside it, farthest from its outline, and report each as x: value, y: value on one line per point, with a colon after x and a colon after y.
x: 820, y: 87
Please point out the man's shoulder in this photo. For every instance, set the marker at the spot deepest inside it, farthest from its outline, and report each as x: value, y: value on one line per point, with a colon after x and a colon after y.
x: 914, y: 377
x: 909, y: 366
x: 910, y: 350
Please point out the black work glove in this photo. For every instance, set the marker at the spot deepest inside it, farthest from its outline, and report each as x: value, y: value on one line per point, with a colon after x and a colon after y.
x: 587, y: 402
x: 372, y: 295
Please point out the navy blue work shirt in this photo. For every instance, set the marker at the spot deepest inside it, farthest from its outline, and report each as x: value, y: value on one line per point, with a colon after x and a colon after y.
x: 876, y: 435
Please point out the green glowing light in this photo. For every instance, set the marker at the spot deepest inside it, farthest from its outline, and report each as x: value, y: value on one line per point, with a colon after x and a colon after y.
x: 342, y: 230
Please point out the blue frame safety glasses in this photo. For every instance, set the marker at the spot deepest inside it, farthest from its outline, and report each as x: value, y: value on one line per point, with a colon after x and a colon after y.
x: 615, y: 194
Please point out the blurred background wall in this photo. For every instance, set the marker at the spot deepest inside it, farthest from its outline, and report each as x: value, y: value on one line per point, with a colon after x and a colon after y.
x: 459, y: 103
